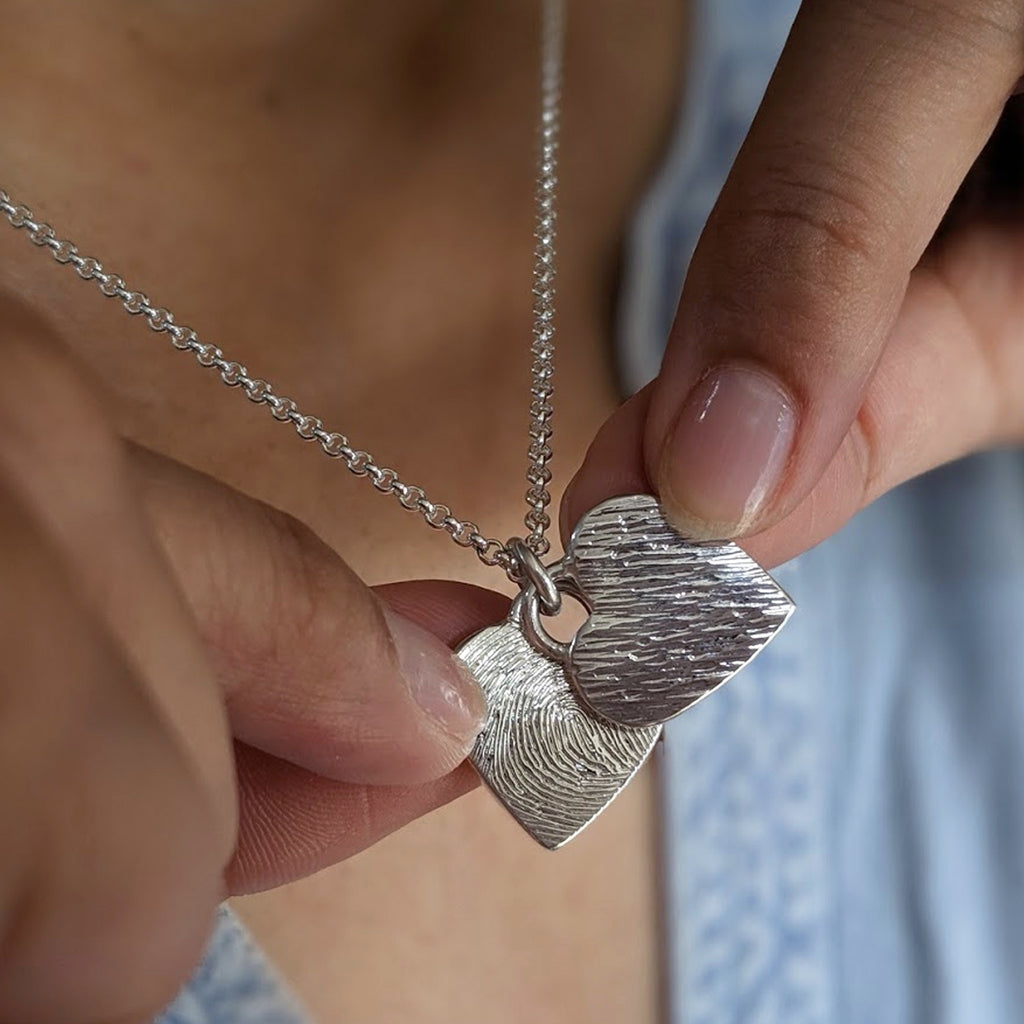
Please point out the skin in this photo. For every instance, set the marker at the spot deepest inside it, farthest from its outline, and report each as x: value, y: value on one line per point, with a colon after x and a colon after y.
x: 318, y: 328
x: 815, y: 272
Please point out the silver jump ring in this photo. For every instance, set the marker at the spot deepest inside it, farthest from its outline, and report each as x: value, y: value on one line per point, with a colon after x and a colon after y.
x: 534, y: 574
x: 527, y: 611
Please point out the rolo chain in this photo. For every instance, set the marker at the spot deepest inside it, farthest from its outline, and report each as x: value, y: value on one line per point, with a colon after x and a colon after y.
x: 310, y: 428
x: 235, y: 375
x: 543, y: 348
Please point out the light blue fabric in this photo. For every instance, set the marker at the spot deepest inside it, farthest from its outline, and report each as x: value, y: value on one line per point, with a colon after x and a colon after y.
x: 844, y: 821
x: 233, y: 985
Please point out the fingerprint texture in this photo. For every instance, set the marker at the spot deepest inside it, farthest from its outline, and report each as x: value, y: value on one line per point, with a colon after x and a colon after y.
x: 554, y: 765
x: 670, y: 619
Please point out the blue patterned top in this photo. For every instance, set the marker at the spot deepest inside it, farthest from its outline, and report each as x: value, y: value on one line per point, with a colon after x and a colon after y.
x: 235, y: 984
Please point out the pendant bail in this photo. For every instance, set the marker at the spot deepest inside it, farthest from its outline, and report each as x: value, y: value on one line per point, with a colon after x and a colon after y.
x: 533, y: 573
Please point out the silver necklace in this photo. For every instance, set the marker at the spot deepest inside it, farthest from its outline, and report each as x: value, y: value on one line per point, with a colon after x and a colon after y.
x: 669, y: 620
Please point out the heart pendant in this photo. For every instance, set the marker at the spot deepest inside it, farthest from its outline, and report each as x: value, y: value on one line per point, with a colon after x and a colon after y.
x: 670, y: 619
x: 547, y: 759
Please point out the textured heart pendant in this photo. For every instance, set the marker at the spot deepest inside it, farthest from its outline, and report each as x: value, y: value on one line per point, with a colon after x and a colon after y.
x: 547, y: 759
x: 669, y: 621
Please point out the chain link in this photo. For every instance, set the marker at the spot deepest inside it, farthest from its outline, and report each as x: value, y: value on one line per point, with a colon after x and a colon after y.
x: 436, y: 515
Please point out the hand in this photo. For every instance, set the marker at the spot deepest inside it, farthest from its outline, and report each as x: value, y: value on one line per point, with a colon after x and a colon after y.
x: 825, y: 348
x: 147, y: 615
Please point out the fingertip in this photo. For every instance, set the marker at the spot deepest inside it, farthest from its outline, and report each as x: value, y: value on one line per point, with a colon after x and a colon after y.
x: 726, y: 454
x: 449, y: 701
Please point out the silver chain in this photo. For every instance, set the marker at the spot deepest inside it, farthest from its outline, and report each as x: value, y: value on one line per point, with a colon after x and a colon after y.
x: 310, y: 428
x: 538, y: 496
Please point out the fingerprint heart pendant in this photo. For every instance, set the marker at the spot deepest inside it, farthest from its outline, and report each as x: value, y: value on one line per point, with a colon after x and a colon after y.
x: 669, y: 621
x: 547, y: 759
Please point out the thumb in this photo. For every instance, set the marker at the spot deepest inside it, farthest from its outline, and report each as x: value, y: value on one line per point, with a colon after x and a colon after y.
x: 316, y: 669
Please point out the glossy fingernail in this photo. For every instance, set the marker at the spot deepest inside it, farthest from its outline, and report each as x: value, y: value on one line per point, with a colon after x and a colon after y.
x: 727, y: 451
x: 438, y: 682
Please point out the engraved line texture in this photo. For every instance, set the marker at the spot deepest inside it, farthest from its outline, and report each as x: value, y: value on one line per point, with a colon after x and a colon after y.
x: 550, y: 762
x: 670, y: 619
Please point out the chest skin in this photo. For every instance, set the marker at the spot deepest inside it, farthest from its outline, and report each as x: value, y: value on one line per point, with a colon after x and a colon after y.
x: 346, y: 208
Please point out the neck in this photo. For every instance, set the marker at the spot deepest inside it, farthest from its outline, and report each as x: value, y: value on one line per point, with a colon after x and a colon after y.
x: 306, y: 55
x: 346, y: 236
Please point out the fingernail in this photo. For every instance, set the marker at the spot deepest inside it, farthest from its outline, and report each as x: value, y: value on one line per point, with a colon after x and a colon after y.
x: 727, y: 452
x: 440, y: 684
